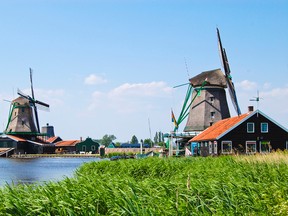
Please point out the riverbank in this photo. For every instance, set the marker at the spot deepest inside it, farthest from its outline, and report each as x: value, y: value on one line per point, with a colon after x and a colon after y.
x: 53, y: 155
x: 226, y: 185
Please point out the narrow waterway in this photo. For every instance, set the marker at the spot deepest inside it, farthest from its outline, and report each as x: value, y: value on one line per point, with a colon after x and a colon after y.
x: 38, y: 170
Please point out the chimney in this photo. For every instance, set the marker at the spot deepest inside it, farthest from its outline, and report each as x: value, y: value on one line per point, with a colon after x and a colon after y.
x: 250, y: 108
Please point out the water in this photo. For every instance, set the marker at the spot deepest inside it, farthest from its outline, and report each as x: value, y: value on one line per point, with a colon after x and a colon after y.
x: 38, y: 170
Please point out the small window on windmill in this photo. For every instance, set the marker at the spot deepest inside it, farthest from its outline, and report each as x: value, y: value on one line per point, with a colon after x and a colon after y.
x: 211, y: 123
x: 23, y: 122
x: 212, y: 114
x: 22, y: 109
x: 212, y: 99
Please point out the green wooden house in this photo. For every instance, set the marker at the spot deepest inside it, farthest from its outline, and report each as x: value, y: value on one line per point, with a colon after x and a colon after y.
x: 88, y: 145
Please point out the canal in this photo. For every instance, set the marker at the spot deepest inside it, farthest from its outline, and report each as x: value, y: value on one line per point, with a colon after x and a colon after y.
x: 39, y: 170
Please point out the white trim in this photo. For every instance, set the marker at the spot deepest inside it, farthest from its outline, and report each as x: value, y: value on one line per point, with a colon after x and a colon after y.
x: 215, y: 147
x: 246, y: 118
x: 253, y: 124
x: 287, y: 144
x: 226, y: 142
x: 251, y: 142
x: 262, y: 123
x: 210, y: 147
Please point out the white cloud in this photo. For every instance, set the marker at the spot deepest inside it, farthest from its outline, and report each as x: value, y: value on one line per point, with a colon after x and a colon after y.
x: 131, y: 97
x: 153, y: 89
x: 247, y: 85
x: 93, y: 79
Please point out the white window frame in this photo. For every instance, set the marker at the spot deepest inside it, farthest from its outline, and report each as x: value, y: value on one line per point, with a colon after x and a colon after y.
x: 210, y: 147
x: 267, y: 127
x: 226, y: 142
x: 265, y: 144
x: 253, y: 131
x: 93, y: 148
x: 215, y: 147
x: 251, y: 142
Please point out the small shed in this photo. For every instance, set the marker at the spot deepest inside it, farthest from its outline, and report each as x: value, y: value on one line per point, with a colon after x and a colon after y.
x: 88, y: 145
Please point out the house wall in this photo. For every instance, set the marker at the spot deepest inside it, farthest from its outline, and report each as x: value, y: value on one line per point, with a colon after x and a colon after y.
x: 276, y: 135
x: 88, y: 145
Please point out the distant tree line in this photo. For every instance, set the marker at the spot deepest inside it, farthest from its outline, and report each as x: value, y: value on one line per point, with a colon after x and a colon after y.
x: 158, y: 140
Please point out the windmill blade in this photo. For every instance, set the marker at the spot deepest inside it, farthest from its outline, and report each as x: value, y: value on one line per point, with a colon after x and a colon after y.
x: 226, y: 67
x: 23, y: 95
x: 36, y: 118
x: 42, y: 106
x: 31, y: 83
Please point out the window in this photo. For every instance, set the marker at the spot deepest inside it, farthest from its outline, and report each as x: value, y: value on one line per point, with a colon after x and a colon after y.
x: 212, y: 99
x: 84, y: 148
x: 264, y: 127
x: 210, y: 147
x: 287, y: 145
x: 93, y: 148
x: 215, y: 147
x: 212, y: 114
x: 211, y: 123
x: 265, y: 146
x: 250, y: 127
x: 251, y: 147
x: 226, y: 147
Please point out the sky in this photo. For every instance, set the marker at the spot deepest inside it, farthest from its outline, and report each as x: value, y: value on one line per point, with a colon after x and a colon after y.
x: 109, y: 66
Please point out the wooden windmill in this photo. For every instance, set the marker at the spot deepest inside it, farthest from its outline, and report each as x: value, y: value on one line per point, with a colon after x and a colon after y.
x: 23, y: 117
x: 209, y: 101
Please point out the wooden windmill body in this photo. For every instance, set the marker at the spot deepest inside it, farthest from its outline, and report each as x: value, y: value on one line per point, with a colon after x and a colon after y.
x: 21, y: 119
x: 210, y: 104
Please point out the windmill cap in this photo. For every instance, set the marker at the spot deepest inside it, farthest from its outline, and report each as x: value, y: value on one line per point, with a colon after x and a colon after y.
x: 213, y: 78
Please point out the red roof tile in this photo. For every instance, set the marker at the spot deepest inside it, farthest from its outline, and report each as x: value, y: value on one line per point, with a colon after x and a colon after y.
x: 218, y: 128
x: 18, y: 139
x: 67, y: 143
x: 52, y: 139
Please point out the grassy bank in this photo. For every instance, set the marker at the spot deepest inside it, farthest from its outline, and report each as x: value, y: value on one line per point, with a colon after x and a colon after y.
x: 243, y: 185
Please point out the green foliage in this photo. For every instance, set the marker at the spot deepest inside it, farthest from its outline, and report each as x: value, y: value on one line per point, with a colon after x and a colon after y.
x: 107, y: 139
x: 149, y: 142
x: 159, y: 137
x: 158, y: 186
x: 134, y: 140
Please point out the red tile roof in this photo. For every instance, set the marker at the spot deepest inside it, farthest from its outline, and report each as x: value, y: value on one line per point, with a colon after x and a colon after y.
x: 67, y: 143
x: 52, y: 139
x: 18, y: 139
x: 218, y: 128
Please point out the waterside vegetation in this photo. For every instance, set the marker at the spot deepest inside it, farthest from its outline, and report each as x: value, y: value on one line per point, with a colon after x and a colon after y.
x: 226, y: 185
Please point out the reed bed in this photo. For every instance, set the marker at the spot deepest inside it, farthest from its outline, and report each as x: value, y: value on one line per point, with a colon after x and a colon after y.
x: 229, y: 185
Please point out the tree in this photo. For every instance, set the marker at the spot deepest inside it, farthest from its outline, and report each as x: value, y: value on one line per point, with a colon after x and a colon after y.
x: 149, y: 142
x: 134, y: 140
x: 107, y: 139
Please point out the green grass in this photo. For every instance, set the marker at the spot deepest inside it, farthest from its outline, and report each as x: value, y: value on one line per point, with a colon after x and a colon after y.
x: 154, y: 186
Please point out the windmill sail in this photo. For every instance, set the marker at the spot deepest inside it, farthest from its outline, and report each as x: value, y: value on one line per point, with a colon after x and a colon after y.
x: 226, y: 67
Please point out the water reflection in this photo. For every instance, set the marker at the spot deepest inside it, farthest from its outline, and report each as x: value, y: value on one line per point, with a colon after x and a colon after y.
x: 38, y: 170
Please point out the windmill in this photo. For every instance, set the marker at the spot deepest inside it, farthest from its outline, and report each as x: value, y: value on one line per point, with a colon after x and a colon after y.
x: 209, y: 102
x: 23, y: 117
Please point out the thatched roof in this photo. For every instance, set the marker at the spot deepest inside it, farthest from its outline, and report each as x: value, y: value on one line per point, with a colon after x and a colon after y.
x: 214, y: 78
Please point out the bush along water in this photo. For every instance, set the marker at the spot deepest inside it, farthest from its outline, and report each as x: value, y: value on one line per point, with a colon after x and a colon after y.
x: 158, y: 186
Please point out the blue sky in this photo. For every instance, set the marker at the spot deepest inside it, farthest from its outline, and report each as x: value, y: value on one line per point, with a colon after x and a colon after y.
x: 106, y: 67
